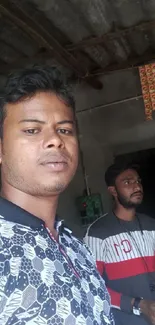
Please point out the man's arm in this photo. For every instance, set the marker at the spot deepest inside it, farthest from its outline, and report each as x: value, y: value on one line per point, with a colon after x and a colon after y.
x: 118, y: 300
x: 98, y: 248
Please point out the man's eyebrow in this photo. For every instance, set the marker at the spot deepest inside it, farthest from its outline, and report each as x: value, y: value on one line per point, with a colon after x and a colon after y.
x: 66, y: 122
x: 34, y: 120
x: 31, y: 120
x: 127, y: 178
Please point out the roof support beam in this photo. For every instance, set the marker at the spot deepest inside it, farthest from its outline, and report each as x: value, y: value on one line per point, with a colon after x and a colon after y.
x: 39, y: 58
x: 45, y: 39
x: 129, y: 64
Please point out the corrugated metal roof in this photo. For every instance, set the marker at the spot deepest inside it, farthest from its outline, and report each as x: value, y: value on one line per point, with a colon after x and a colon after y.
x: 80, y: 19
x: 103, y: 27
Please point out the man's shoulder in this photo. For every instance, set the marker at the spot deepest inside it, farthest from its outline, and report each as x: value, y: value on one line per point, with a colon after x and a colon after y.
x: 147, y: 221
x: 102, y: 227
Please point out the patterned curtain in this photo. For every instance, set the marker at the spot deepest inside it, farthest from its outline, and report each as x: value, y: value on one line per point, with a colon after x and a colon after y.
x: 147, y: 77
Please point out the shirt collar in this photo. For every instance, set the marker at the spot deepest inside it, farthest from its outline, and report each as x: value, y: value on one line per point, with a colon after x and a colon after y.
x: 12, y: 212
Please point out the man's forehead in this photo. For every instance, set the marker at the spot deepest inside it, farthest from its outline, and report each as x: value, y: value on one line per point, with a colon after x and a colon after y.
x: 40, y: 104
x: 128, y: 174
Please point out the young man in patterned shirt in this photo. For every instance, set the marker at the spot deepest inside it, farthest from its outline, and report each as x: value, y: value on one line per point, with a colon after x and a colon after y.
x: 47, y: 276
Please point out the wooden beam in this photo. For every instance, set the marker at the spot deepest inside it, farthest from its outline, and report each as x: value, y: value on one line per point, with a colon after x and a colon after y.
x: 39, y: 58
x: 130, y: 63
x: 45, y: 39
x: 93, y: 41
x: 83, y: 58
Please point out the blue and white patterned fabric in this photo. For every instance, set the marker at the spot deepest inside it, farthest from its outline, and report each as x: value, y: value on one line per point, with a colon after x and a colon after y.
x: 43, y: 282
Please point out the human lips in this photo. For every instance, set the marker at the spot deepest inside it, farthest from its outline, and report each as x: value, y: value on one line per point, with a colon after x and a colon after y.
x: 55, y: 163
x: 137, y: 194
x: 56, y: 166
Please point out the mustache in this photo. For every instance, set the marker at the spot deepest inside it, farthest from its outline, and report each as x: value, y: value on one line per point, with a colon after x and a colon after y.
x: 53, y: 157
x: 138, y: 192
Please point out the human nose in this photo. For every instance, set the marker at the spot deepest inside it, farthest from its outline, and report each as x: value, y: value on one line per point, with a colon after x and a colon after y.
x: 53, y: 139
x: 137, y: 186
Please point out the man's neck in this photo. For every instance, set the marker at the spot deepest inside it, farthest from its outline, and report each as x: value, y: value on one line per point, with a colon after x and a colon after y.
x: 125, y: 214
x: 42, y: 207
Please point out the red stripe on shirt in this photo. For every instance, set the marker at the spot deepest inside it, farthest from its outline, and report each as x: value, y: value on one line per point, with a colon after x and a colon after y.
x: 100, y: 266
x: 115, y: 298
x: 130, y: 268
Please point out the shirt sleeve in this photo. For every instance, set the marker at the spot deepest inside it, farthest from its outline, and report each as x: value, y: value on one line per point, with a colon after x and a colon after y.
x: 98, y: 249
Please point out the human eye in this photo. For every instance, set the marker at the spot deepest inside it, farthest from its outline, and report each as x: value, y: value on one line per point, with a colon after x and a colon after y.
x: 31, y: 131
x: 65, y: 131
x: 139, y: 181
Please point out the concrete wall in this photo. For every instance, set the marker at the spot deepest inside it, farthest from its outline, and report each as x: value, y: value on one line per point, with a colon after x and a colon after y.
x: 67, y: 209
x: 106, y: 132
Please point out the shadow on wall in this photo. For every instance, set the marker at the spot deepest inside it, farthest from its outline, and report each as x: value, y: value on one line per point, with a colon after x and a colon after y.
x: 68, y: 212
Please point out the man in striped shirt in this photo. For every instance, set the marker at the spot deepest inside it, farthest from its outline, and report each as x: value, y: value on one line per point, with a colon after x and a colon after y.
x: 123, y: 243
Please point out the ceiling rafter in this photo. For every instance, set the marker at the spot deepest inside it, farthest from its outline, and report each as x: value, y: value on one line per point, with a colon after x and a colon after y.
x: 47, y: 40
x: 131, y: 63
x: 82, y: 57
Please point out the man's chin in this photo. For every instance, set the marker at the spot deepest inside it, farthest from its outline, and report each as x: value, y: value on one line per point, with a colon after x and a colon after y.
x: 49, y: 189
x: 55, y: 188
x: 137, y: 200
x: 136, y: 203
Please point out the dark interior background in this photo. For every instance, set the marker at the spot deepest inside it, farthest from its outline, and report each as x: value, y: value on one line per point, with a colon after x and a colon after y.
x: 146, y: 160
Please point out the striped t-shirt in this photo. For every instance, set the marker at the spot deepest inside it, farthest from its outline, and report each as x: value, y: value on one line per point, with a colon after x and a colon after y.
x: 125, y: 257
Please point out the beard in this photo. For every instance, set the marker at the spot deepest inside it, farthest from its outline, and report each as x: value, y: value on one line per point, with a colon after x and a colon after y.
x: 127, y: 203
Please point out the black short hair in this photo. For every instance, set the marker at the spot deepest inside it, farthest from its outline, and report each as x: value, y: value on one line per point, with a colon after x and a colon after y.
x: 116, y: 169
x: 25, y: 83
